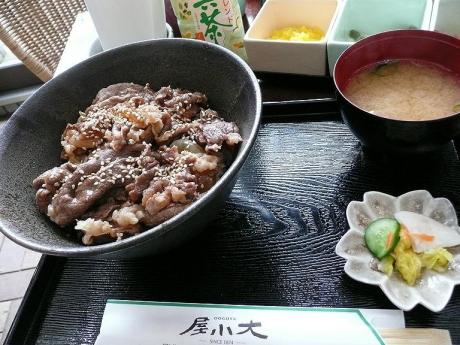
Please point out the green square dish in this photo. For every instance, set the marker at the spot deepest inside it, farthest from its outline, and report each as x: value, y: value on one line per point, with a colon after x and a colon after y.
x: 367, y: 17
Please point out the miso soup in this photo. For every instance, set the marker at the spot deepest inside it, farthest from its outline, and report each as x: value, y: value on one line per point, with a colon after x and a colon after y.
x: 405, y: 90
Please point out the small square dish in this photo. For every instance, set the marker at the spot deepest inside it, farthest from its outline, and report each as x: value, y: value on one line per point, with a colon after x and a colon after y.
x: 432, y: 289
x: 445, y: 17
x: 357, y: 19
x: 296, y: 57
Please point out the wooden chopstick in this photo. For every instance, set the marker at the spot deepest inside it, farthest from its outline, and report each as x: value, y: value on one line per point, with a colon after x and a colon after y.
x: 416, y: 336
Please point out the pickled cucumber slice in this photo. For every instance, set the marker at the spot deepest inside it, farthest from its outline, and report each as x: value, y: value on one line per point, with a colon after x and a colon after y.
x: 382, y: 236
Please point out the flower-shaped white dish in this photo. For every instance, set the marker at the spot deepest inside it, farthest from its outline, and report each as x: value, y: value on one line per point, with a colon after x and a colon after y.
x: 433, y: 290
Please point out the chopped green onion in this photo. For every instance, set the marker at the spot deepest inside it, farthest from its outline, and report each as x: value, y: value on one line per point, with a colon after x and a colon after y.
x: 386, y: 68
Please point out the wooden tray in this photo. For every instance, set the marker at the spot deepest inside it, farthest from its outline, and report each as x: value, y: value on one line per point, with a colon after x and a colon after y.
x: 272, y: 244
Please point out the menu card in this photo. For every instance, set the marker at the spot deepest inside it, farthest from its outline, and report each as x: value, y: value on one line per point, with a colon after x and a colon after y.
x: 165, y: 323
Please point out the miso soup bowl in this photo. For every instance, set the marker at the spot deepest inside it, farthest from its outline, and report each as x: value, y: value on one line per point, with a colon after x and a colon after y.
x: 397, y: 136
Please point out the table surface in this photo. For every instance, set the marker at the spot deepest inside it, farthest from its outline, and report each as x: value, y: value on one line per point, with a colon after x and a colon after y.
x: 272, y: 244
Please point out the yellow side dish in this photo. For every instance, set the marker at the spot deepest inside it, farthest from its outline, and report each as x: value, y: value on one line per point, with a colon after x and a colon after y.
x: 410, y: 264
x: 297, y: 33
x: 437, y: 259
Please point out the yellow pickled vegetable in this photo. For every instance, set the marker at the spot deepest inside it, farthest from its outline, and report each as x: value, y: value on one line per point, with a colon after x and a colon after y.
x: 297, y: 33
x: 407, y: 262
x: 404, y: 240
x: 386, y: 265
x: 409, y: 265
x: 437, y: 259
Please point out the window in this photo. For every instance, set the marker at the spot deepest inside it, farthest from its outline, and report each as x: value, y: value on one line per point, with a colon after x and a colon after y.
x: 16, y: 82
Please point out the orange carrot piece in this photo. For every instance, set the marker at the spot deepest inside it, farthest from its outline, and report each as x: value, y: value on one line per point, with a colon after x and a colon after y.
x: 389, y: 240
x: 423, y: 237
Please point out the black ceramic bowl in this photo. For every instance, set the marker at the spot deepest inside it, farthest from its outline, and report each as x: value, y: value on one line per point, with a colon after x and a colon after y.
x: 394, y: 136
x: 30, y: 141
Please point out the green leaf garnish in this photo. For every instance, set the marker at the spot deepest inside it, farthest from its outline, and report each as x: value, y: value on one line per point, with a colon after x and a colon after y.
x: 456, y: 108
x: 386, y: 68
x: 356, y: 35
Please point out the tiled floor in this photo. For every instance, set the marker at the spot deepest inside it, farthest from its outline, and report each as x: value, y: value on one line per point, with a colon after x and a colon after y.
x: 17, y: 266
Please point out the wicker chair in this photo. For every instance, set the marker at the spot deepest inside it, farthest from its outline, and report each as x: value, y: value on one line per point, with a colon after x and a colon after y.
x: 36, y: 31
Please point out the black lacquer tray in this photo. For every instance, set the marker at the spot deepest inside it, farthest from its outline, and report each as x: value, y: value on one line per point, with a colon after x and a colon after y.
x: 272, y: 244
